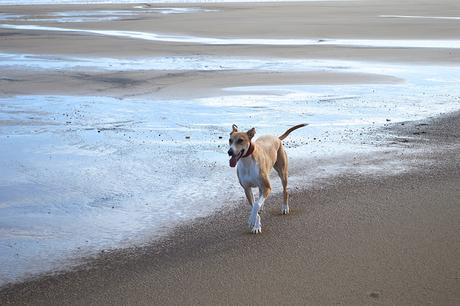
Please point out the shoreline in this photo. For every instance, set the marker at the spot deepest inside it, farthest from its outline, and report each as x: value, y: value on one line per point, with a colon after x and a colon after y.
x: 345, y: 22
x: 220, y: 245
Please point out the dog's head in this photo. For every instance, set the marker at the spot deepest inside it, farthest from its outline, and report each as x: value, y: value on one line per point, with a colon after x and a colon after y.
x: 239, y: 143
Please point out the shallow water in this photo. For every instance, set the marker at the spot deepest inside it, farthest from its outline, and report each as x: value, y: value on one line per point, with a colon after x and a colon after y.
x: 101, y: 15
x: 83, y: 174
x: 174, y: 38
x: 186, y: 63
x: 29, y: 2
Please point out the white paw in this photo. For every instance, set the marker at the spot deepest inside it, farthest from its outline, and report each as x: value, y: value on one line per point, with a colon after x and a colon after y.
x: 285, y: 209
x: 257, y: 227
x: 256, y: 230
x: 254, y: 217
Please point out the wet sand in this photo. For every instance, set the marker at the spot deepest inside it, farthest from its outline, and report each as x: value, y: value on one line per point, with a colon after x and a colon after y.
x: 308, y: 20
x: 169, y: 84
x: 316, y: 20
x: 356, y: 240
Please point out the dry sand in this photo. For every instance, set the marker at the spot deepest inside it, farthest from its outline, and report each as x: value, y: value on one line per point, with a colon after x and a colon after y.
x: 356, y: 241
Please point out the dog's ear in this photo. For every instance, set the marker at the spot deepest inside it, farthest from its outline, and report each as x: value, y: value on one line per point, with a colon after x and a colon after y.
x: 234, y: 129
x: 251, y: 133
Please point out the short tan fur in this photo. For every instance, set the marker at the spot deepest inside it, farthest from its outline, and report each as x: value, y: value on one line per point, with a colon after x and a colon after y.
x: 253, y: 168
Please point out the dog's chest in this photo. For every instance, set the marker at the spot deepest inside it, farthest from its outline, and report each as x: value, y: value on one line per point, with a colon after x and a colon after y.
x: 248, y: 174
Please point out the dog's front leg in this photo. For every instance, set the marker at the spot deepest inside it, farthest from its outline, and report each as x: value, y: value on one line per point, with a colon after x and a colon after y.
x: 254, y: 219
x: 249, y: 195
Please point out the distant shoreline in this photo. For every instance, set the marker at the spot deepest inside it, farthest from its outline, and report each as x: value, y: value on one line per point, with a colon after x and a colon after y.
x: 59, y: 2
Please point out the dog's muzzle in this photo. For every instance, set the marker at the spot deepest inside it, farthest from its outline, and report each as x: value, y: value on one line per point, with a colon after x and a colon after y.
x: 234, y: 157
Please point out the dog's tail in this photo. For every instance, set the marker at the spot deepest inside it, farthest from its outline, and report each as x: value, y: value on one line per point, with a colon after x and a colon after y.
x: 286, y: 134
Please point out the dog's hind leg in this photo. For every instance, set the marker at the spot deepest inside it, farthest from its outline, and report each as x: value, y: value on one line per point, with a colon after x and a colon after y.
x: 281, y: 166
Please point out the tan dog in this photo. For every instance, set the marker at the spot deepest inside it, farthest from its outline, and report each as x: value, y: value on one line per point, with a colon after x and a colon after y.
x: 255, y: 161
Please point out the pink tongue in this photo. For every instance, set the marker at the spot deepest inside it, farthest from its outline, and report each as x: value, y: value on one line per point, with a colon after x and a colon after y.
x: 233, y: 161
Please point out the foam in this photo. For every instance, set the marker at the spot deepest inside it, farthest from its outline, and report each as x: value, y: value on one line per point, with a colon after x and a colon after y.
x: 421, y: 17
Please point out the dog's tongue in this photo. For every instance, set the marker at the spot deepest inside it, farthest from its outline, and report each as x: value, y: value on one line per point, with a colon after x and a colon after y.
x: 233, y: 161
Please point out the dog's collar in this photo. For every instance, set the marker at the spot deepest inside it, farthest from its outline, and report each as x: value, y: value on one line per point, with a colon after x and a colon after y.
x: 250, y: 150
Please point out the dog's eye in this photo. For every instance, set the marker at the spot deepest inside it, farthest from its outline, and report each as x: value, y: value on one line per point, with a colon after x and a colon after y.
x: 240, y: 140
x: 230, y: 141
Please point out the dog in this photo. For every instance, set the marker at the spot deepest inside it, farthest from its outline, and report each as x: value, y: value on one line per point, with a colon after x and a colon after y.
x: 254, y: 161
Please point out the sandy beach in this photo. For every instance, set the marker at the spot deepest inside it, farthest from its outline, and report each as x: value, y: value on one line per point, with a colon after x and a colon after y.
x: 116, y: 189
x: 358, y: 240
x: 315, y: 20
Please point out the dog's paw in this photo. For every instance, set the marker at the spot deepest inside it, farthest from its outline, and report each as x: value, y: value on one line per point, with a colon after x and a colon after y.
x: 257, y: 226
x: 256, y: 229
x: 284, y: 209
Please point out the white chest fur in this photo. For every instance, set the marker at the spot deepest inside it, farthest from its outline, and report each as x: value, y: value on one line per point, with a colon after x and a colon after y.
x: 248, y: 172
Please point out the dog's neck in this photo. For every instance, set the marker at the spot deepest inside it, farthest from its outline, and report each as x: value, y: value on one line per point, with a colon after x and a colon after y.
x: 250, y: 150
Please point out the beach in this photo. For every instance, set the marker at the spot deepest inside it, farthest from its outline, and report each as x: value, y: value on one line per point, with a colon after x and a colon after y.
x: 115, y: 185
x: 357, y: 240
x: 314, y: 20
